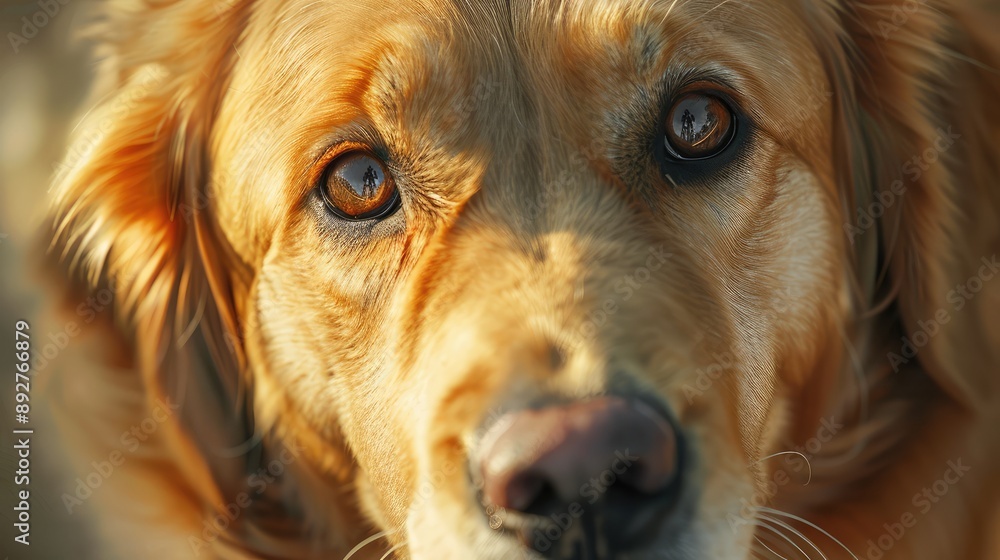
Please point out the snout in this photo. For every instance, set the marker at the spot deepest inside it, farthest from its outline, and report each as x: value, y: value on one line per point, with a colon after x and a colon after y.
x: 602, y: 474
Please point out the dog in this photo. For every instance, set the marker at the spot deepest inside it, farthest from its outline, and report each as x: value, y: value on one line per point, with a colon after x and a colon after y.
x: 457, y: 280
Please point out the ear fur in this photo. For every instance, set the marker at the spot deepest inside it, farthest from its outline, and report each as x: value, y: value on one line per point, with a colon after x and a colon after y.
x: 912, y: 84
x: 132, y: 211
x: 126, y: 215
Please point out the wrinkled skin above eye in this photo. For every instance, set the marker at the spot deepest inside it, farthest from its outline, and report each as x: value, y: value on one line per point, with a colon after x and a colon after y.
x: 357, y: 186
x: 698, y: 126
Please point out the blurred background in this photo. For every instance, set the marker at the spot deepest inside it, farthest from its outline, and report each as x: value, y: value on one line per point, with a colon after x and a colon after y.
x: 44, y: 81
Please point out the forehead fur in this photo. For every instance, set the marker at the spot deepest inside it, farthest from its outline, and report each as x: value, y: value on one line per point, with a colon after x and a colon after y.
x: 462, y: 86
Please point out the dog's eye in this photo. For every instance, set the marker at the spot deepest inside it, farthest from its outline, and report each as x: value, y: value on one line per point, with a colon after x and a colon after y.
x: 358, y: 187
x: 699, y: 126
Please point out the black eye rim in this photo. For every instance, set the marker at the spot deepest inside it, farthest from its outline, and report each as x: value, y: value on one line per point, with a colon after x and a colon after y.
x: 731, y: 134
x: 390, y: 207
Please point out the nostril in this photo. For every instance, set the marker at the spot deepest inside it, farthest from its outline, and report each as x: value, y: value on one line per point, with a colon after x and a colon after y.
x: 532, y: 491
x: 610, y: 451
x: 525, y: 491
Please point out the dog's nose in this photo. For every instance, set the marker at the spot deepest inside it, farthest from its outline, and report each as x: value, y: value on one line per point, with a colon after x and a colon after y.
x: 611, y: 457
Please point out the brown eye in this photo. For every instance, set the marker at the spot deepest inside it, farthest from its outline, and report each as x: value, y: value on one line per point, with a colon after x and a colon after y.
x: 699, y: 126
x: 358, y: 187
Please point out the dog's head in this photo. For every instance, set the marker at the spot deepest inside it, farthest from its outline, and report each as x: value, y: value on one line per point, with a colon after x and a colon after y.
x: 523, y: 275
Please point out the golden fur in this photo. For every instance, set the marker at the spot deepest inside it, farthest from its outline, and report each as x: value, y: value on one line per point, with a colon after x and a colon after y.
x: 363, y: 359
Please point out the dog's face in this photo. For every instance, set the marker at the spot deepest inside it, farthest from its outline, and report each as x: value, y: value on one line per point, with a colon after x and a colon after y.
x: 549, y: 279
x: 490, y: 242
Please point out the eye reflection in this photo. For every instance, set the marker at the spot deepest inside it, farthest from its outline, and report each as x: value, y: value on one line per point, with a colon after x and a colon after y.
x: 362, y: 175
x: 358, y: 187
x: 699, y: 126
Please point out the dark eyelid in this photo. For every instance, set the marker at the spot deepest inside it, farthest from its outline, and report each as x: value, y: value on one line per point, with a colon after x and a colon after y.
x: 356, y: 135
x: 720, y: 82
x: 318, y: 169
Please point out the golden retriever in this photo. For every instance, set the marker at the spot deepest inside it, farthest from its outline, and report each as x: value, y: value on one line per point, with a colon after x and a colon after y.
x: 450, y: 280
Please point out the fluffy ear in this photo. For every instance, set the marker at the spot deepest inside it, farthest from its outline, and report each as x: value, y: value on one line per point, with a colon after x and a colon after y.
x: 127, y: 216
x: 916, y: 95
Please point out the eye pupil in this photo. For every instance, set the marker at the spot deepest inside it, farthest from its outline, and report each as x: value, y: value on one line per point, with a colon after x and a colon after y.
x: 699, y: 126
x: 357, y: 187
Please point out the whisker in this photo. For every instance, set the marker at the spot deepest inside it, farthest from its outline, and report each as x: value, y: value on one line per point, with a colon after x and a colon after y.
x: 810, y: 524
x: 368, y: 541
x: 795, y: 532
x: 808, y: 462
x: 393, y: 549
x: 769, y: 549
x: 774, y: 530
